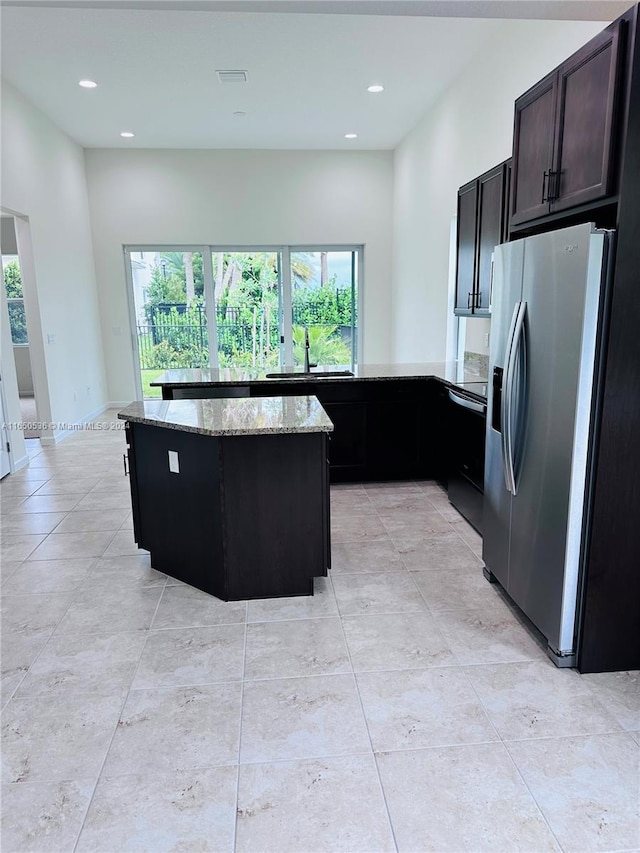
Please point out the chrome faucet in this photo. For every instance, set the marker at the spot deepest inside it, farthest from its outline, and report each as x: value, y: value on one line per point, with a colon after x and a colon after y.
x: 307, y: 369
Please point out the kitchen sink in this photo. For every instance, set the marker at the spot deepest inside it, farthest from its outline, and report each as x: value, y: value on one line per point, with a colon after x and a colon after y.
x: 312, y: 374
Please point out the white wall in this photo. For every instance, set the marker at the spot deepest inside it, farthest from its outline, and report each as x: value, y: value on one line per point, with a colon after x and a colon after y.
x: 43, y: 179
x: 237, y: 198
x: 467, y: 132
x: 22, y: 360
x: 476, y: 330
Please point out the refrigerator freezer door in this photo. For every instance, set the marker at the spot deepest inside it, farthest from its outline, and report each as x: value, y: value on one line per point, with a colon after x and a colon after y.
x: 561, y: 287
x: 507, y: 292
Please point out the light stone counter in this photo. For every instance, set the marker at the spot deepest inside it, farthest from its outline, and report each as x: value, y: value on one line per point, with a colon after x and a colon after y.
x: 449, y: 371
x: 232, y: 416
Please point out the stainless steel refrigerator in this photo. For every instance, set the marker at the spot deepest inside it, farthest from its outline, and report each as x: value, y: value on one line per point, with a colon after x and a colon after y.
x: 549, y: 302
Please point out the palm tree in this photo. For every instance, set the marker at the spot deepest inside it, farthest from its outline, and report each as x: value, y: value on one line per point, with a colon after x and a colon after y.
x: 323, y: 348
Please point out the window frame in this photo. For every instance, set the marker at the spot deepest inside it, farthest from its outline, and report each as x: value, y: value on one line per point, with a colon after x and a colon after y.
x: 285, y: 282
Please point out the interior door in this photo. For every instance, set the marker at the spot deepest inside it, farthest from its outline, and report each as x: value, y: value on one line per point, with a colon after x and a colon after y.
x: 5, y: 460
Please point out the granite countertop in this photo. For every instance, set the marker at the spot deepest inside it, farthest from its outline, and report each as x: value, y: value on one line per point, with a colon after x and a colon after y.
x: 449, y: 371
x: 232, y: 416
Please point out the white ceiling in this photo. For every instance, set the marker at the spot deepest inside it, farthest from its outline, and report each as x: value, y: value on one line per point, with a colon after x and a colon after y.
x: 155, y: 65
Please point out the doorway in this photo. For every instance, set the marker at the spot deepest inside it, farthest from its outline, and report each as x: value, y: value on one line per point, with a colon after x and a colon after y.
x: 22, y: 358
x: 5, y: 459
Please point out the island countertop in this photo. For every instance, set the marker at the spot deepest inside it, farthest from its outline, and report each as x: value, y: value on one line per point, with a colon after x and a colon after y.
x: 448, y: 371
x: 232, y: 416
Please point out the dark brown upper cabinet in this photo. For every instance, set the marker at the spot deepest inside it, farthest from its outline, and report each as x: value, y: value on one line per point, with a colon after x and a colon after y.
x: 506, y: 223
x: 533, y: 150
x: 466, y: 247
x: 482, y: 215
x: 564, y: 133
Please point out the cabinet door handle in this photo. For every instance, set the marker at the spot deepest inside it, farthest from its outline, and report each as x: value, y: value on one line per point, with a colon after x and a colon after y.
x: 125, y: 458
x: 478, y: 299
x: 551, y: 180
x: 470, y: 301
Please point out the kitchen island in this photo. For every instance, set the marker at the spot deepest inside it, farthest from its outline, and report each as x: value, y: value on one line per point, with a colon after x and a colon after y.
x: 232, y: 495
x: 391, y: 422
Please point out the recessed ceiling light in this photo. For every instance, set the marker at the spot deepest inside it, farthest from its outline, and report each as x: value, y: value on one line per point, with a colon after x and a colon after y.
x: 375, y: 88
x: 351, y: 136
x: 88, y: 84
x: 127, y: 134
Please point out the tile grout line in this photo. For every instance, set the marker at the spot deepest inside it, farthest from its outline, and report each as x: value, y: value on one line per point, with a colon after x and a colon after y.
x: 531, y: 794
x: 51, y: 633
x: 115, y: 728
x: 459, y: 667
x: 366, y: 724
x: 505, y: 744
x: 244, y: 669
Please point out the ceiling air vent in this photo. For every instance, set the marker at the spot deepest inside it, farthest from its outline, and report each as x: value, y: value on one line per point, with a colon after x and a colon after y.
x: 232, y: 76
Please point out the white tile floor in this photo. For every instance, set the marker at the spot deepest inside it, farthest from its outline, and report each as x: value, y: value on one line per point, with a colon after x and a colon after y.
x: 405, y: 706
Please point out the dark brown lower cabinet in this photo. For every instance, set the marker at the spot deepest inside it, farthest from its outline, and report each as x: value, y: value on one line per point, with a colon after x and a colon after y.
x: 347, y: 446
x: 384, y: 429
x: 246, y: 516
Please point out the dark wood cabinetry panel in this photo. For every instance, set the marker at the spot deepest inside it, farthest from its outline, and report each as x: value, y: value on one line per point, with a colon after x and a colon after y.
x: 490, y: 232
x: 179, y: 514
x: 506, y: 219
x: 436, y: 436
x: 533, y: 150
x: 466, y: 247
x: 610, y: 629
x: 564, y: 143
x: 274, y: 495
x: 586, y: 103
x: 347, y: 449
x: 482, y: 212
x: 394, y: 430
x: 138, y: 536
x: 383, y: 430
x: 245, y: 517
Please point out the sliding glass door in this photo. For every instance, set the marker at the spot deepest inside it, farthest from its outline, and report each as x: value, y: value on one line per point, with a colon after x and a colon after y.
x: 248, y: 308
x: 241, y: 307
x: 169, y: 312
x: 324, y: 300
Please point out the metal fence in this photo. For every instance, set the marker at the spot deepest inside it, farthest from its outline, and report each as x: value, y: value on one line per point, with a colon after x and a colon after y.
x: 180, y: 338
x: 187, y: 344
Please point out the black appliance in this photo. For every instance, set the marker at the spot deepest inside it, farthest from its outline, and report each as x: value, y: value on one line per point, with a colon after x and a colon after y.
x: 467, y: 421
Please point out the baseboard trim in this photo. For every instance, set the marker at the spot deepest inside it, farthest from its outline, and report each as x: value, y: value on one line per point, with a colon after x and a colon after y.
x: 60, y: 436
x: 20, y: 463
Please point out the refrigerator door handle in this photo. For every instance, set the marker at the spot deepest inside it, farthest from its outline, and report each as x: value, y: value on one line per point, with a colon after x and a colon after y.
x: 513, y: 392
x: 506, y: 398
